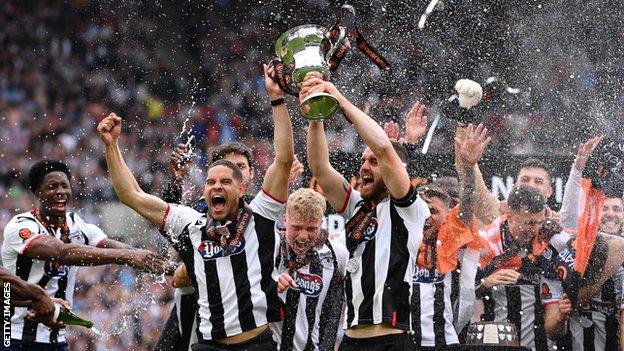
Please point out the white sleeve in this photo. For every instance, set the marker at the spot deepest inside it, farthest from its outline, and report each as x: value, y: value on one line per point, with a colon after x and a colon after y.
x: 551, y: 291
x: 178, y: 217
x: 18, y: 235
x: 414, y: 211
x: 351, y: 201
x: 342, y: 255
x: 570, y: 203
x: 95, y: 234
x: 267, y: 206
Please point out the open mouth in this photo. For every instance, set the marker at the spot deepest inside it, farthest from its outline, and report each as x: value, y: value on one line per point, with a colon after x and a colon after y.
x: 301, y: 245
x: 367, y: 180
x: 60, y: 204
x: 218, y: 203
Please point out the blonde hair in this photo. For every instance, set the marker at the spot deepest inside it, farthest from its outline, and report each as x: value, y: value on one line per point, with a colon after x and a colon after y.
x: 307, y: 204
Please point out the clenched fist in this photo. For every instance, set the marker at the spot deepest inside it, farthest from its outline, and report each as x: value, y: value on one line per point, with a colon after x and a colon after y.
x: 110, y: 129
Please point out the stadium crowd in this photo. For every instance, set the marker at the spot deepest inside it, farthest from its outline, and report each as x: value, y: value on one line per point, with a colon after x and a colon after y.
x: 65, y: 65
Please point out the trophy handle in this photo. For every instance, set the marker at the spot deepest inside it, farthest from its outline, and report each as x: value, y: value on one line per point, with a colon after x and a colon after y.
x: 339, y: 37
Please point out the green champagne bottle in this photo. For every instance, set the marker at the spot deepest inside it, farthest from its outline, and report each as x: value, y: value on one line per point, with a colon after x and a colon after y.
x: 62, y: 314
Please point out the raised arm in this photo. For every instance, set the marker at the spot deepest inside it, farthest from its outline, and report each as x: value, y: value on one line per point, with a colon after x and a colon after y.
x: 487, y: 207
x: 276, y: 178
x: 469, y: 151
x: 128, y: 191
x: 335, y: 186
x: 394, y: 171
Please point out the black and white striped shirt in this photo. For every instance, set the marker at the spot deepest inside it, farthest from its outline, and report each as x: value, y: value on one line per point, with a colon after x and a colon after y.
x: 236, y: 292
x: 56, y: 279
x: 313, y: 311
x: 432, y: 310
x: 595, y: 325
x: 379, y: 289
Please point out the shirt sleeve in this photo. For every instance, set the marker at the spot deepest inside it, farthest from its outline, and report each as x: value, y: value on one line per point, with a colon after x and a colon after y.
x: 412, y: 208
x: 351, y: 202
x: 19, y: 235
x: 571, y: 199
x: 95, y: 234
x: 267, y: 206
x: 551, y: 291
x: 177, y: 218
x: 342, y: 254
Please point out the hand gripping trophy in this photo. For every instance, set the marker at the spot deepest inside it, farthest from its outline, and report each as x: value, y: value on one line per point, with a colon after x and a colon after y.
x: 313, y: 48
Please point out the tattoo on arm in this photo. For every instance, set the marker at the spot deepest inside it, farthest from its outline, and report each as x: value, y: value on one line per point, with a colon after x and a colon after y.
x: 466, y: 198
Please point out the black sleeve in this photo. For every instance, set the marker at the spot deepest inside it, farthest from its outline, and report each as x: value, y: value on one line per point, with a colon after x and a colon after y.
x: 173, y: 193
x: 412, y: 151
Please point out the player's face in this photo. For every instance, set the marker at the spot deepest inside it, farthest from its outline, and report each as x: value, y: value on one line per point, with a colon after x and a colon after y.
x: 243, y: 163
x: 612, y: 215
x: 536, y: 178
x: 524, y: 225
x: 372, y: 186
x: 222, y: 192
x: 438, y: 210
x: 54, y: 194
x: 302, y: 233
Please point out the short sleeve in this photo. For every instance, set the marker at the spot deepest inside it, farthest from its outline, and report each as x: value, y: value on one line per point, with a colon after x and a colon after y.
x: 177, y: 218
x: 551, y: 291
x: 95, y: 234
x: 342, y: 254
x: 412, y: 208
x: 267, y: 206
x: 18, y: 235
x: 350, y: 204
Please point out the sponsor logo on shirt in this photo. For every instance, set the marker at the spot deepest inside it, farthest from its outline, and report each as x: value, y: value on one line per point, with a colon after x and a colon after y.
x: 25, y: 233
x: 210, y: 250
x: 309, y: 284
x: 422, y: 276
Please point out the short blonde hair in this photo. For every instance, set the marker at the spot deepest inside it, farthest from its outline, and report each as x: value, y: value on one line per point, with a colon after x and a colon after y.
x: 307, y: 204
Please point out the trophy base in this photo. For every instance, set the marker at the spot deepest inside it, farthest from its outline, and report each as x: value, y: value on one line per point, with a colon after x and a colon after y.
x: 318, y: 106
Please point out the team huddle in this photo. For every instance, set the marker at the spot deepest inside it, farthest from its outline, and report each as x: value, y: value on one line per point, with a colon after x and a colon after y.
x: 415, y: 266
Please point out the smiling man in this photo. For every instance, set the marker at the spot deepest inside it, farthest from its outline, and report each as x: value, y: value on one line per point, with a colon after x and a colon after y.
x: 383, y: 232
x: 230, y: 250
x: 44, y: 245
x: 311, y: 277
x: 613, y: 216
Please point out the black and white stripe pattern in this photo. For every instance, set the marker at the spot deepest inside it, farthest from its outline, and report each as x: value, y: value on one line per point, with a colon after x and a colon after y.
x: 432, y: 312
x: 379, y: 290
x: 313, y: 312
x: 58, y: 281
x: 600, y: 315
x: 237, y: 292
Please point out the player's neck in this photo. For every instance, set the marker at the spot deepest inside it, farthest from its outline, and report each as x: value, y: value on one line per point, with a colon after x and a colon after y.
x: 49, y: 218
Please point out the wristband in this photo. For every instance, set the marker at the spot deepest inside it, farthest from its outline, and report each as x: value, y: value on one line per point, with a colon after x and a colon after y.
x: 277, y: 102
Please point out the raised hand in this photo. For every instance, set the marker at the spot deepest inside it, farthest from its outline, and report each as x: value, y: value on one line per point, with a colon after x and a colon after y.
x: 272, y: 88
x: 313, y: 84
x: 585, y: 151
x: 285, y: 281
x: 471, y: 149
x: 296, y: 170
x: 469, y: 92
x: 179, y: 163
x: 416, y: 123
x: 110, y: 129
x: 147, y: 261
x: 393, y: 131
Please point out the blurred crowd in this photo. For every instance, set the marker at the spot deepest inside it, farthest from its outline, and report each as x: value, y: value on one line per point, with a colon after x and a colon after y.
x: 64, y: 65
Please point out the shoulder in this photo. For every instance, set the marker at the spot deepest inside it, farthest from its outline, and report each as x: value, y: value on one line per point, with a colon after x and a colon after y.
x: 342, y: 254
x: 21, y: 221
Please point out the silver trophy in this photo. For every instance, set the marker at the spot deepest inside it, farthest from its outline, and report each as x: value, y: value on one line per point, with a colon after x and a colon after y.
x: 305, y: 49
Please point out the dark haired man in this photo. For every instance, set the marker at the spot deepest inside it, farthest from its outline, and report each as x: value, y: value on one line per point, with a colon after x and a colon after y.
x: 230, y: 250
x: 384, y: 229
x: 44, y: 245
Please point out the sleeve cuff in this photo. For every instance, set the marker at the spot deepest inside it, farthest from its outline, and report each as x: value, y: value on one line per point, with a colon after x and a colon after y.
x: 273, y: 197
x: 408, y: 199
x: 101, y: 241
x: 346, y: 201
x: 164, y: 220
x: 550, y: 302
